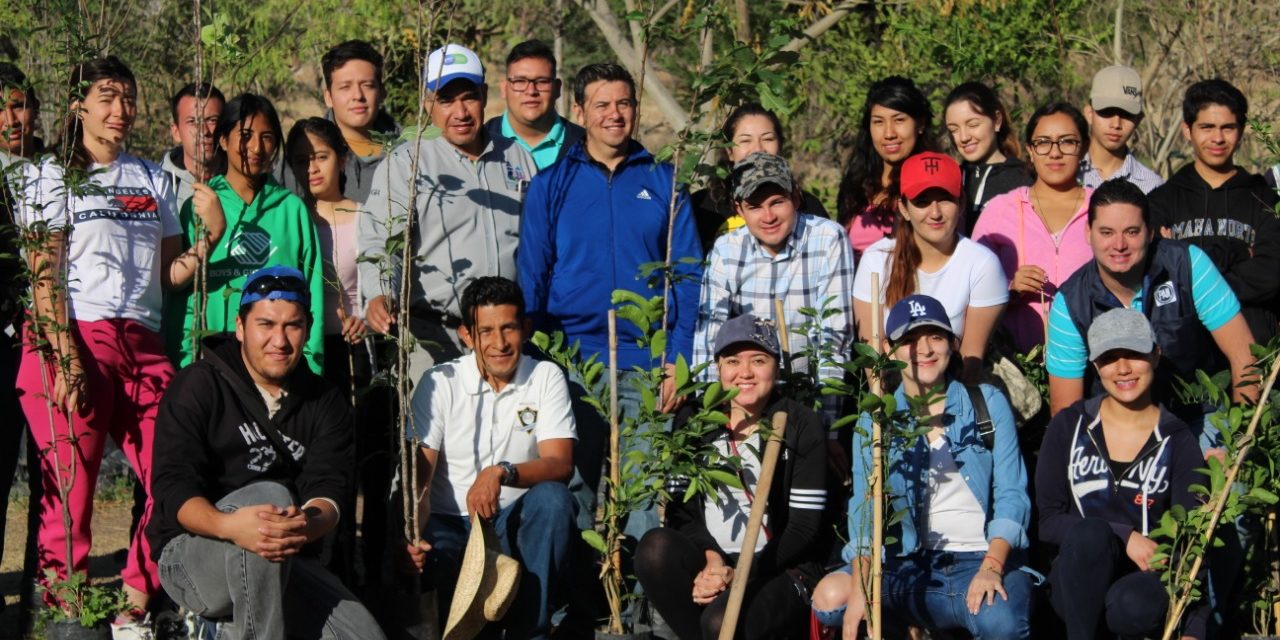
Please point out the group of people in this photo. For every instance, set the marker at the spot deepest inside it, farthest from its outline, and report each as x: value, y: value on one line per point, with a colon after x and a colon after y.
x: 219, y: 315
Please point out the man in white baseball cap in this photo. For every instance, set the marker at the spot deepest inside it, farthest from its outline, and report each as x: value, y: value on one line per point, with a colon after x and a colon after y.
x: 1113, y: 112
x: 470, y: 190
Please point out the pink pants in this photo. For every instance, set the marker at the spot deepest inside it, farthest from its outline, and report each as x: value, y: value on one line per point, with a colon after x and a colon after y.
x: 126, y: 372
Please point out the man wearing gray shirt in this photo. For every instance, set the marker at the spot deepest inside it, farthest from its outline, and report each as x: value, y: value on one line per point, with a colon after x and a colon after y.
x: 465, y: 213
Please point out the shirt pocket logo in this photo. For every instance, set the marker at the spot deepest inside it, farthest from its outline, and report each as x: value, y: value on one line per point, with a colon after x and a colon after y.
x: 527, y: 418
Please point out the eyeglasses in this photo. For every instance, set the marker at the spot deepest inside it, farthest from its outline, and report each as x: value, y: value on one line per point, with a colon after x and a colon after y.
x: 1068, y: 146
x: 522, y: 84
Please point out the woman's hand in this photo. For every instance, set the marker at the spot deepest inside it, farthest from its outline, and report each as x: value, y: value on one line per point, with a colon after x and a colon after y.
x: 207, y: 206
x: 1028, y: 279
x: 70, y: 388
x: 855, y: 611
x: 711, y: 582
x: 1140, y: 549
x: 353, y: 329
x: 986, y: 583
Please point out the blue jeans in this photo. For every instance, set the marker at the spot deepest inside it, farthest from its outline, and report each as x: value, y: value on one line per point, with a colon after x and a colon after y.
x: 535, y: 530
x: 927, y: 589
x: 262, y: 599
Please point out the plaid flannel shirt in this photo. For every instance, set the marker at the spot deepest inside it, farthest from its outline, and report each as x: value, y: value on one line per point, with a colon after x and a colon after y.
x: 815, y: 266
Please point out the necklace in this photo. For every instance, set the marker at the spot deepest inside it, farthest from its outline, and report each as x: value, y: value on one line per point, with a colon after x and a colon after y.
x: 1042, y: 212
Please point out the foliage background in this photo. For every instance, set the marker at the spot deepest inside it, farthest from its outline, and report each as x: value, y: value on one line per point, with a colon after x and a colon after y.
x: 1033, y: 51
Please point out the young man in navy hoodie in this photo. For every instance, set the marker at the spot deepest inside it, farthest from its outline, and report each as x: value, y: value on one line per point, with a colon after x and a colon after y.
x: 1222, y: 208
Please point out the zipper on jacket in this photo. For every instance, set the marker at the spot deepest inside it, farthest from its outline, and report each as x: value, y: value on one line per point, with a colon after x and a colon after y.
x: 1115, y: 482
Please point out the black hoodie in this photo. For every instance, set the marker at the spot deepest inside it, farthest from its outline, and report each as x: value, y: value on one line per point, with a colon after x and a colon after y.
x: 1236, y: 226
x: 208, y: 441
x: 982, y: 182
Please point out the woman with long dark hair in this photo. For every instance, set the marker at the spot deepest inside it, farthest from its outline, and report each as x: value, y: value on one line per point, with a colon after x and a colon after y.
x: 896, y: 124
x: 991, y: 159
x: 266, y: 225
x: 94, y: 365
x: 927, y: 254
x: 749, y: 129
x: 1038, y: 232
x: 956, y: 475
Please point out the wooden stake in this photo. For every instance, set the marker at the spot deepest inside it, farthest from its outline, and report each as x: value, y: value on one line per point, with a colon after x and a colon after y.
x: 758, y: 507
x: 877, y: 472
x: 784, y: 334
x: 615, y: 478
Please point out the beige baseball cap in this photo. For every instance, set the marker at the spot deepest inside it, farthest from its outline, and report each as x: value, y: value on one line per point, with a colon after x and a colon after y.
x: 1117, y: 87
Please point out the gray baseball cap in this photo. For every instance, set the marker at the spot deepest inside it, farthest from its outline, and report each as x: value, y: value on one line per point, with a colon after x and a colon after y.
x: 749, y: 329
x: 1117, y: 87
x: 1120, y: 329
x: 757, y: 170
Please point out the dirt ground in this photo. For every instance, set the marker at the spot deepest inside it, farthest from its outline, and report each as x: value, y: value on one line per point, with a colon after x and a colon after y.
x: 110, y: 535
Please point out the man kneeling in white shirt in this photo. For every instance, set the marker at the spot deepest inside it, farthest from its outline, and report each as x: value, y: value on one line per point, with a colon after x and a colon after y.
x: 497, y: 434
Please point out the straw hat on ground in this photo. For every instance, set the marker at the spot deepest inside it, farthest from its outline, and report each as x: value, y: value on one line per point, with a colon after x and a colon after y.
x: 487, y: 583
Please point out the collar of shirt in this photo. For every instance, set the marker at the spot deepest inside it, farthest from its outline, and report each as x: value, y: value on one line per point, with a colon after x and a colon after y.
x: 470, y: 380
x: 1125, y: 170
x: 794, y: 241
x: 554, y: 136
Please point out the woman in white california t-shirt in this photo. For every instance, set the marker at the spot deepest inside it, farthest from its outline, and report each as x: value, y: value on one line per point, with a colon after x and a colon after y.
x: 93, y: 344
x: 928, y: 255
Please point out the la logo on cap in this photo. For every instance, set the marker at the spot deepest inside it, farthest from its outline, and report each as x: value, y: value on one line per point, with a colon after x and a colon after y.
x: 916, y: 308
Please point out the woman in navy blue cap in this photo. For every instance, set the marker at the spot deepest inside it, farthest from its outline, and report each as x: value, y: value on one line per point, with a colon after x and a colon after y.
x: 686, y: 567
x: 956, y: 476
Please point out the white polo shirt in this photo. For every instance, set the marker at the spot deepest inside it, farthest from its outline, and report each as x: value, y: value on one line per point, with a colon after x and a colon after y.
x: 458, y: 414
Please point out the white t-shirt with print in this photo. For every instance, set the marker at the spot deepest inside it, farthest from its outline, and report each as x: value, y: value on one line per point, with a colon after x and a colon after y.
x: 458, y: 414
x: 727, y: 510
x: 972, y: 277
x: 117, y: 227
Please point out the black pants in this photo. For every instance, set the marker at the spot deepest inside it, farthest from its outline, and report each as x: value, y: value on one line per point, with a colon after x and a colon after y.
x: 344, y: 364
x: 1098, y: 591
x: 667, y: 562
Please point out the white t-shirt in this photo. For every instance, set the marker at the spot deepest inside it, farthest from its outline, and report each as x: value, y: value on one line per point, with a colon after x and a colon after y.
x: 972, y: 277
x: 727, y: 510
x: 457, y: 413
x: 114, y: 253
x: 956, y: 520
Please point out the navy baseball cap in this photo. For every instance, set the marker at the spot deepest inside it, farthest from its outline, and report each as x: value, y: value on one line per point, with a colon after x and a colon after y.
x: 916, y: 311
x: 748, y: 329
x: 276, y: 283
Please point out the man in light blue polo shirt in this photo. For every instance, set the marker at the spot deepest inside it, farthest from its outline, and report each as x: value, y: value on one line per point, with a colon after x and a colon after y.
x: 531, y: 89
x: 1195, y: 316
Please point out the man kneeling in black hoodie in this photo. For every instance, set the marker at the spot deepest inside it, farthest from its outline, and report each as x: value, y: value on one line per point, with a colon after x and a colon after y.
x: 243, y: 437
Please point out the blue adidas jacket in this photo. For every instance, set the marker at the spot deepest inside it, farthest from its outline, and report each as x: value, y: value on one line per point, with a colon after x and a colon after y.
x: 585, y: 232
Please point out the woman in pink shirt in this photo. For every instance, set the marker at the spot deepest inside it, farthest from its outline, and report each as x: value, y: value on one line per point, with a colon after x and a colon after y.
x: 896, y: 124
x: 1038, y: 232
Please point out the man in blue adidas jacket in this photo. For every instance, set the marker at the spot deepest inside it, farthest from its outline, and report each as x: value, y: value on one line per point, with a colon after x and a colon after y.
x: 592, y: 219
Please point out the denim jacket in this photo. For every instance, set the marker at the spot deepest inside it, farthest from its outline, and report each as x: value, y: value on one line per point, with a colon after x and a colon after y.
x: 998, y: 482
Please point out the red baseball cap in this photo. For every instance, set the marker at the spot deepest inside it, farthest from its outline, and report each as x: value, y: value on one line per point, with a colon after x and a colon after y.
x: 928, y: 170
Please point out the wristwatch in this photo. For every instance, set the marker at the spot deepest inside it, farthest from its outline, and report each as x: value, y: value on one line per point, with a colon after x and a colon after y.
x: 510, y: 475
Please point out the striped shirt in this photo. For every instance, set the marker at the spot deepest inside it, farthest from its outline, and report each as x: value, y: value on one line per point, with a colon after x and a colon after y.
x: 1067, y: 355
x: 1132, y: 170
x: 814, y: 269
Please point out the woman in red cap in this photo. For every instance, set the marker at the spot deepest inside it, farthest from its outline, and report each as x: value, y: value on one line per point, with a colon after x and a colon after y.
x: 927, y: 254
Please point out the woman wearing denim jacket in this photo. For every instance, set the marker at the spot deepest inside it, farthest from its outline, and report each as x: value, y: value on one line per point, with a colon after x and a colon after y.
x: 954, y: 556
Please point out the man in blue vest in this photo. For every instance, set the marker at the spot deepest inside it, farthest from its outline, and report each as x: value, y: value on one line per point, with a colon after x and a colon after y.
x: 1195, y: 315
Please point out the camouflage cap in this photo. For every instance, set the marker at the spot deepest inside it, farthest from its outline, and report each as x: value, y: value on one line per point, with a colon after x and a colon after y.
x: 757, y: 170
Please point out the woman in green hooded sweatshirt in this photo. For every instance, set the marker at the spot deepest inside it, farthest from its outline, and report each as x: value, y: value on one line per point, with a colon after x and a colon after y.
x: 266, y: 225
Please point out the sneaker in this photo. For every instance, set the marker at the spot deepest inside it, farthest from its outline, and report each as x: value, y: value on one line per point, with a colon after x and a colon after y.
x: 123, y: 628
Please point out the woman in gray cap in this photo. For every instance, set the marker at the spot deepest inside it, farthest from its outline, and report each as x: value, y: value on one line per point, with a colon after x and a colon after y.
x: 1109, y: 468
x: 959, y: 499
x: 686, y: 567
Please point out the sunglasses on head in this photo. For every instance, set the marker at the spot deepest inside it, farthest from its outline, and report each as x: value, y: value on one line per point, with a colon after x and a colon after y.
x: 262, y: 287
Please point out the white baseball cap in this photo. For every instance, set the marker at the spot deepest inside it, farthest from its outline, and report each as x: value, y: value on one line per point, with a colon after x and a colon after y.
x: 1117, y: 87
x: 452, y: 62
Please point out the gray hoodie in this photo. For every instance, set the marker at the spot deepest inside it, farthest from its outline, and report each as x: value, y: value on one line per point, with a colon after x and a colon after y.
x: 173, y: 164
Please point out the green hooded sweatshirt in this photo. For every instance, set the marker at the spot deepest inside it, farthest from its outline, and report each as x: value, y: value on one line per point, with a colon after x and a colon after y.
x: 274, y: 229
